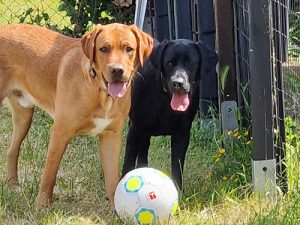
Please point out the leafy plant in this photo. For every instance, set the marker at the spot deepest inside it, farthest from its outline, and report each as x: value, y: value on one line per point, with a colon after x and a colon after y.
x: 87, y: 12
x: 38, y: 16
x: 292, y: 128
x: 82, y: 15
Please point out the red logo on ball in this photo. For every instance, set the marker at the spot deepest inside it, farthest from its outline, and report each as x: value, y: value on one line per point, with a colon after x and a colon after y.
x: 152, y: 195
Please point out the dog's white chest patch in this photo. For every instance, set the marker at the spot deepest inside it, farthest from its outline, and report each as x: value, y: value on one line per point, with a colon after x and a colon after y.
x: 100, y: 125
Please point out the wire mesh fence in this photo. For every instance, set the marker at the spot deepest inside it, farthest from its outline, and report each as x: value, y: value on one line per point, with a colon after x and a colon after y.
x: 13, y: 11
x: 285, y: 78
x: 72, y: 18
x: 289, y: 67
x: 241, y: 29
x: 44, y: 13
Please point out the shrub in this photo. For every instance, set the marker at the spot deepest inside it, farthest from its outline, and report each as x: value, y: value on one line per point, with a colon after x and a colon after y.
x: 84, y: 13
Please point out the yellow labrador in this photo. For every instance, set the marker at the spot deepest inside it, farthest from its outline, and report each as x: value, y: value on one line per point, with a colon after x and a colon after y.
x: 83, y: 84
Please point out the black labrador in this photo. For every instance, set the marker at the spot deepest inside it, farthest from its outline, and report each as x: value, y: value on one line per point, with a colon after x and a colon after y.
x: 165, y: 99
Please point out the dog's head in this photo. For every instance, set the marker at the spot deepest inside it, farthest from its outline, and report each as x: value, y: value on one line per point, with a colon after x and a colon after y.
x: 181, y: 63
x: 115, y: 51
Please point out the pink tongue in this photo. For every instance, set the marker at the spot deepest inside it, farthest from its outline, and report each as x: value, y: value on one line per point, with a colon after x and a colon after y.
x: 117, y: 89
x: 180, y: 102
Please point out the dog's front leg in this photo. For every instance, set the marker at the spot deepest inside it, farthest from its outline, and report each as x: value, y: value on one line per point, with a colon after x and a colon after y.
x: 58, y: 142
x: 110, y: 146
x: 137, y: 145
x: 179, y: 145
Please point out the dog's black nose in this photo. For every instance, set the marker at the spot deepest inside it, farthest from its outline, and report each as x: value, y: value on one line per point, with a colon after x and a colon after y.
x: 177, y: 85
x: 117, y: 71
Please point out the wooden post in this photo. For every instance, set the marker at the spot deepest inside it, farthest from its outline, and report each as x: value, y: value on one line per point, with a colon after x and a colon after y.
x: 260, y: 34
x: 225, y: 47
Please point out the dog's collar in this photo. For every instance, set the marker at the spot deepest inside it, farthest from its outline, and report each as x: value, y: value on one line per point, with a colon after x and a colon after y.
x: 163, y: 82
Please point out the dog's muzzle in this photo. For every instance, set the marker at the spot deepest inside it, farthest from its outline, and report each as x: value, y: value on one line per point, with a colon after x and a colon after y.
x: 179, y: 87
x: 179, y: 82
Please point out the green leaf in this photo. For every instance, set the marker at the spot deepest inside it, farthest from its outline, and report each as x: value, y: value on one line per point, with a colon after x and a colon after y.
x: 45, y: 16
x: 223, y: 77
x: 28, y: 11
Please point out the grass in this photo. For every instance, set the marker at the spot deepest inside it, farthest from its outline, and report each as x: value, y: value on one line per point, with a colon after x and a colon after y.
x: 216, y: 180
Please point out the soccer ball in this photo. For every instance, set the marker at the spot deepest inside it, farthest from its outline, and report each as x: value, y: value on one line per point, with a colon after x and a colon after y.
x: 145, y: 196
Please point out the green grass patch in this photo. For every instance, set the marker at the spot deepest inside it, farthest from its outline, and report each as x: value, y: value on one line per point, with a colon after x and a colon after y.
x: 217, y: 180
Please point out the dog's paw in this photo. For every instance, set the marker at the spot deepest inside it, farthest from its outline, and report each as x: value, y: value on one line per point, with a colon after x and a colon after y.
x: 111, y: 204
x: 43, y: 201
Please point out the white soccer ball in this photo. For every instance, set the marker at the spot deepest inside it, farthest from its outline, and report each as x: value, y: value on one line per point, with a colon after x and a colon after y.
x: 145, y: 196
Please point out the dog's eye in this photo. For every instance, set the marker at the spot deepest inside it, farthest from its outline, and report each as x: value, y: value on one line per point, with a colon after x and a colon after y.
x: 170, y: 64
x: 104, y: 49
x: 128, y: 49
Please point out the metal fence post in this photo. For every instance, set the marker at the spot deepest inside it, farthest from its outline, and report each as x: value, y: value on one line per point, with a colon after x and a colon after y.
x: 139, y: 16
x: 260, y: 32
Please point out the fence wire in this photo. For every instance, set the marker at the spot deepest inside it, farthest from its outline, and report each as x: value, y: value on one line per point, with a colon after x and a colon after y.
x: 285, y: 63
x: 291, y: 67
x: 287, y: 68
x: 45, y: 13
x: 241, y: 30
x: 72, y: 18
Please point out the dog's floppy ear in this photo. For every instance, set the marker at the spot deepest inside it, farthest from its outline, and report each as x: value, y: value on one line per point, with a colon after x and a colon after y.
x: 209, y: 58
x: 156, y: 56
x: 88, y: 42
x: 144, y: 44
